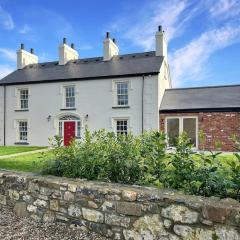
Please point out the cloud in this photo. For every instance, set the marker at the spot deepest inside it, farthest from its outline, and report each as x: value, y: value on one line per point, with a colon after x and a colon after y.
x: 189, y: 63
x: 173, y: 15
x: 225, y: 8
x: 8, y: 54
x: 5, y: 70
x: 6, y: 19
x: 25, y: 29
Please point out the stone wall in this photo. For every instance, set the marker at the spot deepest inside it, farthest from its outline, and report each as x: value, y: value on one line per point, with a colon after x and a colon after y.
x: 120, y: 211
x: 218, y: 126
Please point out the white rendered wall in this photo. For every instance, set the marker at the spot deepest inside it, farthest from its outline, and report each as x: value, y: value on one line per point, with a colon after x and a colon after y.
x: 93, y: 97
x: 1, y: 115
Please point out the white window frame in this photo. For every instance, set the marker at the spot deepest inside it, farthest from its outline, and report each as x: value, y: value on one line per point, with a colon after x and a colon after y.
x: 19, y: 98
x: 181, y: 125
x: 115, y: 98
x: 121, y: 119
x: 18, y: 131
x: 64, y: 96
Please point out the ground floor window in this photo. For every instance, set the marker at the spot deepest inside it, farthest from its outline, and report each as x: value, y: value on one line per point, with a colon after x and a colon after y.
x: 177, y: 125
x: 23, y: 131
x: 122, y: 126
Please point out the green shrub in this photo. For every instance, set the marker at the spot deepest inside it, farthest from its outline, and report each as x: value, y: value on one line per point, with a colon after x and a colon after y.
x: 144, y: 160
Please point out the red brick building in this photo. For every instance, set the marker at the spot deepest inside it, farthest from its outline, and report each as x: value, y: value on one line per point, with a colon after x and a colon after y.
x: 212, y: 111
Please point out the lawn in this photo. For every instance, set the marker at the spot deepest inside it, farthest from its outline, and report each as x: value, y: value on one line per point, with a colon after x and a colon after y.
x: 26, y: 163
x: 34, y: 162
x: 17, y: 149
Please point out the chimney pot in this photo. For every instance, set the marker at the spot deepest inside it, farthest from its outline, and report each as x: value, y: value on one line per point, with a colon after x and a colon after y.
x: 22, y: 46
x: 72, y: 45
x: 32, y: 51
x: 107, y: 34
x: 160, y: 28
x: 64, y: 40
x: 114, y: 40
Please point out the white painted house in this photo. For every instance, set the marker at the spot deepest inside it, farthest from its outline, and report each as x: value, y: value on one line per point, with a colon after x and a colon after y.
x: 120, y: 93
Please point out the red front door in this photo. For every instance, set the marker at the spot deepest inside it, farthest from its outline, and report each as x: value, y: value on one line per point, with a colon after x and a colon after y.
x: 69, y: 132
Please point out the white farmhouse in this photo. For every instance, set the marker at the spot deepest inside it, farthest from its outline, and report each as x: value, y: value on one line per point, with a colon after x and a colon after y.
x: 120, y: 93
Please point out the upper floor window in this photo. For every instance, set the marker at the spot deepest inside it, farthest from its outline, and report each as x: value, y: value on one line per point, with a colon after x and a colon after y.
x: 23, y: 98
x: 70, y: 97
x: 122, y: 93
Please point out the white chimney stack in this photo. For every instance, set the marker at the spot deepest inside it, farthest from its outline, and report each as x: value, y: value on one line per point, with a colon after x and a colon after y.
x: 161, y: 43
x: 67, y: 53
x: 25, y: 58
x: 110, y: 48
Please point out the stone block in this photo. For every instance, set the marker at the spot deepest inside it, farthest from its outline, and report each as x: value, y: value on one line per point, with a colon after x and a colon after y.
x: 108, y: 206
x: 33, y: 187
x: 54, y: 204
x: 13, y: 194
x: 181, y: 214
x: 20, y: 209
x: 74, y: 211
x: 72, y: 187
x: 127, y: 208
x: 69, y: 196
x: 92, y: 215
x: 49, y: 216
x: 41, y: 203
x: 130, y: 196
x: 32, y: 208
x: 116, y: 220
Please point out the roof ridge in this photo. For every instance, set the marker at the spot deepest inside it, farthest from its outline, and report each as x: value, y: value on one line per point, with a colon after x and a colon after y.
x: 202, y: 87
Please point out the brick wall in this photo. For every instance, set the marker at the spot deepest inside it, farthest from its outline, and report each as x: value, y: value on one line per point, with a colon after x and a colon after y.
x: 218, y: 126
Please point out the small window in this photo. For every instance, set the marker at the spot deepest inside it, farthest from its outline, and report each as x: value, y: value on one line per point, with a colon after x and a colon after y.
x: 70, y: 97
x: 60, y: 129
x: 23, y: 131
x: 122, y: 93
x: 23, y: 99
x: 122, y: 126
x: 172, y: 130
x: 78, y: 133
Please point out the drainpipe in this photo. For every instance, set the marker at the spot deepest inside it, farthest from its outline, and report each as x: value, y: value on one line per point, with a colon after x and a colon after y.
x: 143, y: 78
x: 4, y: 115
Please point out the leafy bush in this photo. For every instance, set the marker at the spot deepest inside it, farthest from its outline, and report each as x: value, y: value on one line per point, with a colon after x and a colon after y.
x: 144, y: 160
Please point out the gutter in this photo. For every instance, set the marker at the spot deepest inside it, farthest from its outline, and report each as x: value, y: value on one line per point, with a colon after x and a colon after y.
x: 196, y: 110
x: 4, y: 115
x: 143, y: 78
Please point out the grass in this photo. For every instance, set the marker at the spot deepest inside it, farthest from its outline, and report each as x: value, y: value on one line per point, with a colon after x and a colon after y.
x: 26, y: 163
x: 35, y: 162
x: 17, y: 149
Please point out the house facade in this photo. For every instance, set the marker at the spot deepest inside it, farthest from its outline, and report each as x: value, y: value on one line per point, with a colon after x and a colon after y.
x: 120, y: 93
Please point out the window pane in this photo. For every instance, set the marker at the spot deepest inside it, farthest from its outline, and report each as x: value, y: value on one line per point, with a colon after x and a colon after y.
x: 172, y: 130
x: 122, y: 126
x: 189, y: 126
x: 23, y: 131
x: 122, y: 93
x: 23, y: 95
x: 70, y: 97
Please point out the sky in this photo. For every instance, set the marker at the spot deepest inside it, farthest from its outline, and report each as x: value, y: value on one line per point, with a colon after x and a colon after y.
x: 203, y: 35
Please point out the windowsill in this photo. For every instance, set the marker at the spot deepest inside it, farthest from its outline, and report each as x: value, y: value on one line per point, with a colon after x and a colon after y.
x: 68, y: 109
x: 21, y: 110
x: 21, y: 143
x: 116, y: 107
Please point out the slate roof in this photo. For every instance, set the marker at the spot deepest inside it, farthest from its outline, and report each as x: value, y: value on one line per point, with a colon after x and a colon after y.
x: 88, y: 68
x: 201, y: 98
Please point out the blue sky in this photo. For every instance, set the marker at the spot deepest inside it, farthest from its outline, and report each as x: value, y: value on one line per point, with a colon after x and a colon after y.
x: 203, y: 35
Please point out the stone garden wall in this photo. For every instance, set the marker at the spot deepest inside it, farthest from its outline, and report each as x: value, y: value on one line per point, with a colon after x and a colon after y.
x: 120, y: 211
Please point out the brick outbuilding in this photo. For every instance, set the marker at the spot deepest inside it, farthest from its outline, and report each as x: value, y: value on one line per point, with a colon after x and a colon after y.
x: 213, y: 112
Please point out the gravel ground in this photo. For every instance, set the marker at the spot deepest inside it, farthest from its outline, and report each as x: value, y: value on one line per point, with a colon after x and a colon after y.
x: 15, y: 228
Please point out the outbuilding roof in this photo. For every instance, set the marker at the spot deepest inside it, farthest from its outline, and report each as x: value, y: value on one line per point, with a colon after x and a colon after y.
x: 212, y: 98
x: 88, y: 68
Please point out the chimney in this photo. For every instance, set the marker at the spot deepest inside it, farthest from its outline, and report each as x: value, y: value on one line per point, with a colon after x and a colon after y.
x: 25, y: 58
x: 161, y: 43
x: 110, y: 48
x: 66, y: 53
